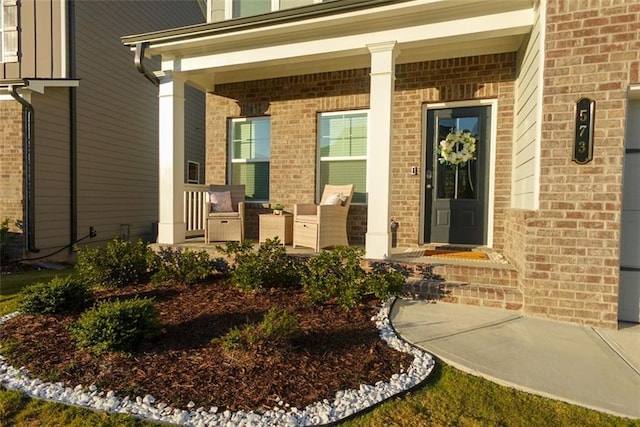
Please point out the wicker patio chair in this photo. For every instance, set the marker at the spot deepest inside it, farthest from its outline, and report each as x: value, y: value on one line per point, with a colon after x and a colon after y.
x: 224, y: 213
x: 323, y: 225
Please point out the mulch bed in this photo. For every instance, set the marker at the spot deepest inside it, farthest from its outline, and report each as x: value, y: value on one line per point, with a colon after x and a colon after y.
x: 337, y: 350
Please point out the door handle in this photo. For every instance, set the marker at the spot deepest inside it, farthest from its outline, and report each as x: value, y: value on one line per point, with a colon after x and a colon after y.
x: 429, y: 176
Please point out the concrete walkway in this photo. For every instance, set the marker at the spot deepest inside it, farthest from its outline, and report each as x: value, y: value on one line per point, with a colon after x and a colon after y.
x: 591, y: 367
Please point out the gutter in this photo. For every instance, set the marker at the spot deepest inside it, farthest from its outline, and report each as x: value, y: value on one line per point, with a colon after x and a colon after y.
x: 28, y: 131
x: 138, y: 61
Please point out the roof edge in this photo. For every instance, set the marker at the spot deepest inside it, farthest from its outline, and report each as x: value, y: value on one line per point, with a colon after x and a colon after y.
x: 258, y: 21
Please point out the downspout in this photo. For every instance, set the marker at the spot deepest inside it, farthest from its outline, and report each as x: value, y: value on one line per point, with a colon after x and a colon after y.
x: 28, y: 131
x: 73, y: 131
x: 140, y: 47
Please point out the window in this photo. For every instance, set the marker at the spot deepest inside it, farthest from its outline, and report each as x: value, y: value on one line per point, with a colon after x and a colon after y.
x: 250, y: 151
x: 8, y: 31
x: 193, y: 172
x: 242, y: 8
x: 342, y: 145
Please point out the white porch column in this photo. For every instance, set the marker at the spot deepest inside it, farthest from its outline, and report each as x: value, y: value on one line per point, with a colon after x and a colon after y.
x: 171, y: 226
x: 378, y: 237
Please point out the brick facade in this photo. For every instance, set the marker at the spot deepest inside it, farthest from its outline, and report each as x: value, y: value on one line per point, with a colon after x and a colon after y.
x: 293, y: 104
x: 568, y: 250
x: 11, y: 163
x: 565, y: 254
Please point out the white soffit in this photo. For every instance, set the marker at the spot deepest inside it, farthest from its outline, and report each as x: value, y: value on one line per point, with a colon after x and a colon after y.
x: 423, y: 30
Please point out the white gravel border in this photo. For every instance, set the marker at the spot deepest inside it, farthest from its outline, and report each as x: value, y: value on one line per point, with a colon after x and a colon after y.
x: 346, y: 403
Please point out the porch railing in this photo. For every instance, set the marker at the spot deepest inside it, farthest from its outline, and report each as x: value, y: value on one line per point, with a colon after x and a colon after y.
x: 194, y: 209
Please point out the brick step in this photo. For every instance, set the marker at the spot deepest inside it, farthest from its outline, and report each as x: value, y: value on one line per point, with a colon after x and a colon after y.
x: 505, y: 297
x: 487, y: 285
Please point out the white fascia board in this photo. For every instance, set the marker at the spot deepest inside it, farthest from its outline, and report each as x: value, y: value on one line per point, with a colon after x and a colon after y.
x: 469, y: 29
x: 40, y: 85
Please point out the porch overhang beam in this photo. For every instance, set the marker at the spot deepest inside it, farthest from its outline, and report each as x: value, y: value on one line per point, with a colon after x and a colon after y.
x: 468, y: 33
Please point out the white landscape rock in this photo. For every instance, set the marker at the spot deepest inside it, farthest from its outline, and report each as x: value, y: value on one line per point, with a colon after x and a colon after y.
x: 344, y: 404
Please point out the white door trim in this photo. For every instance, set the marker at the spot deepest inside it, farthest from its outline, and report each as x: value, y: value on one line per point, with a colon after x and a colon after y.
x: 493, y: 103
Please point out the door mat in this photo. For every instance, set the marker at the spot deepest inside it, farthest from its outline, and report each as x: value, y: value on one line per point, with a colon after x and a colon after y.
x: 455, y: 254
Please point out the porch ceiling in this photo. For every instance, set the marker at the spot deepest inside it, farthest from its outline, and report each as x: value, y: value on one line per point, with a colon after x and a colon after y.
x: 307, y: 42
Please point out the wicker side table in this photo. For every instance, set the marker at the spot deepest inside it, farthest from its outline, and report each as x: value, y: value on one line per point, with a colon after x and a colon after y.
x: 280, y: 226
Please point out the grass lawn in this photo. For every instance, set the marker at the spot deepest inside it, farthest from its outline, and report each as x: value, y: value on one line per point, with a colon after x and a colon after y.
x: 10, y: 285
x: 450, y: 397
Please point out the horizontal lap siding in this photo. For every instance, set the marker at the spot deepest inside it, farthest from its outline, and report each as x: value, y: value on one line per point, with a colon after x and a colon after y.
x: 527, y: 129
x: 118, y: 115
x: 52, y: 160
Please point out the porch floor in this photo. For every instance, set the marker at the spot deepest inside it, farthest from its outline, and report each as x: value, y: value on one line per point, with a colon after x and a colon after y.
x: 410, y: 255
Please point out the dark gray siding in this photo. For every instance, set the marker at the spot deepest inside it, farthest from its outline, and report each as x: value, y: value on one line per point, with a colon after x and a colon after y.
x: 194, y: 125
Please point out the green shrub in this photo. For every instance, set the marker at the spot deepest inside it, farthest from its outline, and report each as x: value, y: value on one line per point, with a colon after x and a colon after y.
x: 118, y: 264
x: 277, y: 329
x: 385, y: 281
x: 5, y: 241
x: 60, y: 295
x: 186, y: 267
x: 279, y: 326
x: 335, y: 274
x: 117, y: 325
x: 268, y: 267
x: 338, y: 275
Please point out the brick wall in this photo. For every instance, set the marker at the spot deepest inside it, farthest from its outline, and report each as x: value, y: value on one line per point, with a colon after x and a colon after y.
x: 572, y: 242
x: 11, y: 164
x: 516, y: 241
x: 294, y: 102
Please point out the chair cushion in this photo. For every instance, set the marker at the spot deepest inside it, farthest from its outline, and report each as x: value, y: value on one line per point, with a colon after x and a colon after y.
x: 335, y: 199
x: 220, y: 201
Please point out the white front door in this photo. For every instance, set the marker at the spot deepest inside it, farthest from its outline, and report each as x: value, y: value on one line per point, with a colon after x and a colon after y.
x: 629, y: 296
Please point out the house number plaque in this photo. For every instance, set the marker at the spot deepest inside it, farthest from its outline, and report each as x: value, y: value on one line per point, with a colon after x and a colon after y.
x: 583, y: 138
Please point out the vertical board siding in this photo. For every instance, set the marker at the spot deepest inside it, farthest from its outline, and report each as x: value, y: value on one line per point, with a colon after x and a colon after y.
x: 41, y: 35
x: 59, y: 39
x: 118, y: 115
x: 27, y: 39
x: 527, y: 134
x: 43, y: 40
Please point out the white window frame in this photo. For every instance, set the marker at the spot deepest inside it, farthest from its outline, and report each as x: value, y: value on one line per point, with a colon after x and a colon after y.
x: 275, y: 5
x: 341, y: 158
x: 1, y: 31
x: 12, y: 55
x: 233, y: 161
